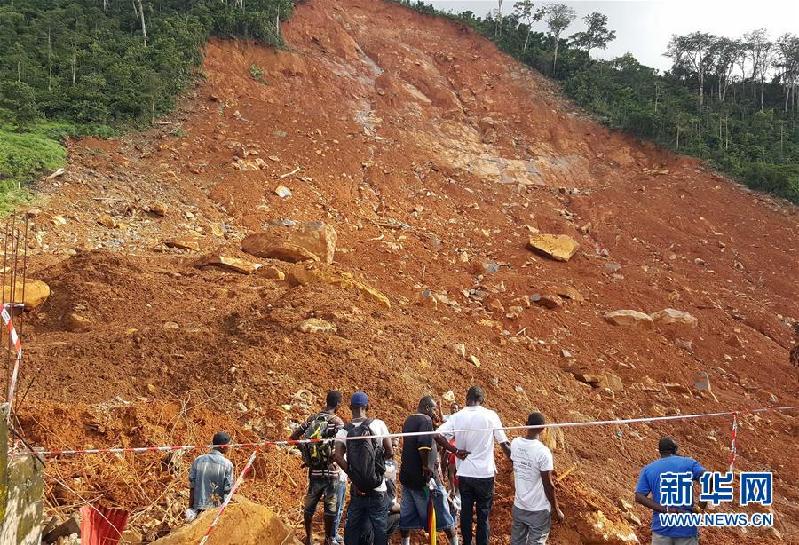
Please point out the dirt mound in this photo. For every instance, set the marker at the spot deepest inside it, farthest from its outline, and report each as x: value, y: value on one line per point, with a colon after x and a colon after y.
x: 243, y: 523
x: 435, y: 158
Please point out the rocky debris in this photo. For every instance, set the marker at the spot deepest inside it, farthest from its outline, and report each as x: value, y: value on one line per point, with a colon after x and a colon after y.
x: 107, y: 221
x: 69, y: 527
x: 158, y: 209
x: 272, y: 273
x: 677, y: 388
x: 302, y: 276
x: 735, y: 341
x: 244, y: 523
x: 171, y: 325
x: 234, y: 264
x: 597, y: 529
x: 283, y: 192
x: 671, y: 316
x: 474, y: 360
x: 76, y: 323
x: 315, y: 325
x: 629, y: 318
x: 32, y: 293
x: 608, y: 381
x: 313, y: 241
x: 547, y: 301
x: 612, y: 268
x: 571, y: 293
x: 459, y: 349
x: 183, y: 244
x: 557, y: 247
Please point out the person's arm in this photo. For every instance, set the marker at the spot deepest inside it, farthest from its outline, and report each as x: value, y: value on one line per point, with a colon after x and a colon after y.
x: 500, y: 436
x: 549, y: 490
x: 449, y: 447
x: 228, y: 480
x: 388, y: 448
x: 339, y: 450
x: 192, y: 477
x: 649, y: 503
x: 299, y: 430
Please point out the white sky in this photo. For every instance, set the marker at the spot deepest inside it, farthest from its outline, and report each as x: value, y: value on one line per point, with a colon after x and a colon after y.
x: 644, y: 27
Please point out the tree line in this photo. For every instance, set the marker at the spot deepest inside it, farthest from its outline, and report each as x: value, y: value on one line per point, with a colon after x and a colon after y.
x: 729, y: 100
x: 111, y: 61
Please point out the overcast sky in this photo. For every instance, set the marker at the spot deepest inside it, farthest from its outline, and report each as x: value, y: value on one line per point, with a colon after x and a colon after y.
x: 644, y: 27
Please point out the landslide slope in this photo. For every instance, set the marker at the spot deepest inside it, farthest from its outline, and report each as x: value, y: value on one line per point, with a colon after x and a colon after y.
x: 435, y: 157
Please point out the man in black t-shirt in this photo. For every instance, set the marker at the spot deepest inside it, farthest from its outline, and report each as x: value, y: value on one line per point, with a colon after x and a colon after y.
x: 420, y: 474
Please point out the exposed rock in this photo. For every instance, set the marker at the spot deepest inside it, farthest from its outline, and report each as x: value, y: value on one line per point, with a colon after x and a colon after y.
x: 65, y: 529
x: 569, y: 292
x: 183, y: 244
x: 313, y: 241
x: 244, y: 523
x: 629, y: 318
x: 171, y: 325
x: 614, y: 382
x: 612, y: 268
x: 557, y: 247
x: 315, y: 325
x: 677, y: 388
x: 547, y: 301
x: 302, y: 276
x: 671, y: 316
x: 460, y: 349
x: 596, y: 529
x: 735, y: 341
x: 35, y: 293
x: 607, y: 381
x: 273, y: 273
x: 702, y: 381
x: 474, y: 360
x: 283, y: 192
x: 234, y: 264
x: 159, y: 208
x: 76, y: 323
x: 107, y: 221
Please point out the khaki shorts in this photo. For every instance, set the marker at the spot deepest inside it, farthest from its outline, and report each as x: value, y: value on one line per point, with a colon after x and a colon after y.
x: 658, y: 539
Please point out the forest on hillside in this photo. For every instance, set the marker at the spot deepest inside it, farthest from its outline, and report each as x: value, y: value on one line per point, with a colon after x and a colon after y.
x: 76, y: 67
x: 731, y: 100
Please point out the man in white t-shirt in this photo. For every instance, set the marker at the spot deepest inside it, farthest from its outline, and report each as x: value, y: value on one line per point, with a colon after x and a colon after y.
x: 535, y: 502
x: 475, y: 428
x: 368, y: 508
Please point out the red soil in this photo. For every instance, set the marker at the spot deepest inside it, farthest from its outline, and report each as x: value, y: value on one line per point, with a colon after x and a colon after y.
x: 384, y: 111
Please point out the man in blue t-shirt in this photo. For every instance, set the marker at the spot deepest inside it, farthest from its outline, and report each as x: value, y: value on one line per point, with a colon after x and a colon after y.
x: 666, y: 486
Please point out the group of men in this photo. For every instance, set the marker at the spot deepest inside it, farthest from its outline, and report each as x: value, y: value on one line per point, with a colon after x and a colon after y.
x: 362, y: 453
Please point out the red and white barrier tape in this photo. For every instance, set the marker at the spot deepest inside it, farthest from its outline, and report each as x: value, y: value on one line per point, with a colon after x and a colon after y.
x: 292, y: 442
x: 733, y: 447
x: 14, y: 341
x: 233, y: 490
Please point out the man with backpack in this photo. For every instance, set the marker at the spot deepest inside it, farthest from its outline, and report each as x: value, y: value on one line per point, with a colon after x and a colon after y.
x: 362, y: 449
x: 323, y: 475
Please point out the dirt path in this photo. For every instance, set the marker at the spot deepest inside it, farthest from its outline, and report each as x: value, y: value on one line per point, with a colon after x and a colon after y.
x: 434, y: 156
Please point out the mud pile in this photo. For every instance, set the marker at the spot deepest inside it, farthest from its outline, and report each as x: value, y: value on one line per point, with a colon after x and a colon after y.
x: 435, y: 159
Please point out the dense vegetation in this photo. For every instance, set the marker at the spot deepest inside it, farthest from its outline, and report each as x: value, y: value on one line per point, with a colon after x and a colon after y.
x: 732, y: 102
x: 95, y: 66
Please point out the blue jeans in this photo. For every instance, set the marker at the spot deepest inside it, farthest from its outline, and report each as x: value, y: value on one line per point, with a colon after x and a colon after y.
x: 413, y: 509
x: 366, y: 513
x: 341, y: 491
x: 476, y: 495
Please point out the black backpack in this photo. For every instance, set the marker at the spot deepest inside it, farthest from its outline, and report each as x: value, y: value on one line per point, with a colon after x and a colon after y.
x: 364, y: 458
x: 317, y: 455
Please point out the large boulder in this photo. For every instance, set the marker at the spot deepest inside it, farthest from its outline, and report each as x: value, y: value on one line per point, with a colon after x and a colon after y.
x: 670, y: 316
x: 33, y: 293
x: 557, y: 247
x: 313, y: 241
x: 242, y: 523
x: 597, y: 529
x: 629, y: 318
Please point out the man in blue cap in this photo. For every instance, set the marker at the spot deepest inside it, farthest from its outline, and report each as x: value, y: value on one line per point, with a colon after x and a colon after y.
x: 210, y: 478
x: 362, y: 449
x: 655, y: 486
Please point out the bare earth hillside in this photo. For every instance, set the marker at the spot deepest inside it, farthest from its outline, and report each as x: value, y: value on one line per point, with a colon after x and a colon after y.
x: 435, y: 158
